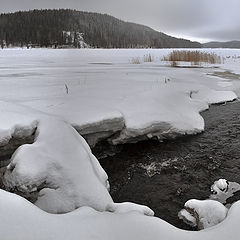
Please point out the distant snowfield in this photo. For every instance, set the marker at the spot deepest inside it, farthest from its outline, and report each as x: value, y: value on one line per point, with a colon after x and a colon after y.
x: 103, y: 95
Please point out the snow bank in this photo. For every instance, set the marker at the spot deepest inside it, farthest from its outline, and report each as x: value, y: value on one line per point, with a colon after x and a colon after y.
x: 22, y: 220
x: 213, y: 96
x: 163, y: 113
x: 60, y: 165
x: 15, y: 121
x: 128, y: 207
x: 101, y: 130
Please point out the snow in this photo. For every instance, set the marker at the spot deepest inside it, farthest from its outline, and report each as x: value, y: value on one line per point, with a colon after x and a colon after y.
x: 16, y: 121
x: 222, y: 190
x: 60, y: 164
x: 22, y: 220
x: 128, y: 207
x: 220, y: 185
x: 187, y: 218
x: 215, y: 96
x: 135, y: 99
x: 224, y: 84
x: 74, y: 38
x: 107, y: 97
x: 207, y: 213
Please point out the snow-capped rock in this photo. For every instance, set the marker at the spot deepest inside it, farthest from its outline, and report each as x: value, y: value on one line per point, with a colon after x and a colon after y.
x: 222, y: 189
x: 220, y: 185
x: 207, y: 213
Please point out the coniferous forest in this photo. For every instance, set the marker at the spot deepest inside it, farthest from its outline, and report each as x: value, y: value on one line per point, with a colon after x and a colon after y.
x: 71, y: 28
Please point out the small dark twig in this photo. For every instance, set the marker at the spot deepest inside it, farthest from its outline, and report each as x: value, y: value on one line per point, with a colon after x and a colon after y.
x: 66, y: 88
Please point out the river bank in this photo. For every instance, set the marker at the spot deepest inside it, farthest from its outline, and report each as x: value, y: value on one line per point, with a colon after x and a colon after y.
x: 165, y: 175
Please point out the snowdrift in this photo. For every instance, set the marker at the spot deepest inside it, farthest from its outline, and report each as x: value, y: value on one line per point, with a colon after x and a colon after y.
x: 22, y: 220
x: 60, y: 168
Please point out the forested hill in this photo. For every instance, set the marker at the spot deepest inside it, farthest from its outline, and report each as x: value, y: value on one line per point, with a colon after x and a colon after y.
x: 61, y: 28
x: 230, y: 44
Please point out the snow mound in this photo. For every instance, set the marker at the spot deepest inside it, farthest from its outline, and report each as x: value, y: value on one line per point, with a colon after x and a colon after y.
x: 128, y: 207
x: 207, y: 213
x: 22, y: 220
x: 60, y: 166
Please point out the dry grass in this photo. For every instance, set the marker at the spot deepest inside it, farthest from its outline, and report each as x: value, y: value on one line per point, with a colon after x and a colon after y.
x: 174, y: 64
x: 145, y: 58
x: 135, y: 60
x: 148, y: 58
x: 194, y: 57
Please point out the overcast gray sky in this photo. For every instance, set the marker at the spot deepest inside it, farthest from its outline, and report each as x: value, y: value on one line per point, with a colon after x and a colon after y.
x: 201, y: 20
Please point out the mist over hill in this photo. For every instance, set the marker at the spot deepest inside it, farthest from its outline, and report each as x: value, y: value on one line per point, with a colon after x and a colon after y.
x: 71, y: 28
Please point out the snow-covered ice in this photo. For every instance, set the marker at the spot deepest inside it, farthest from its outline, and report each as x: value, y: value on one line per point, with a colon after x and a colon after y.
x: 107, y: 94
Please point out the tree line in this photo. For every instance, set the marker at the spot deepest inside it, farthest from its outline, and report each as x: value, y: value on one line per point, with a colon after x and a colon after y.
x: 46, y: 28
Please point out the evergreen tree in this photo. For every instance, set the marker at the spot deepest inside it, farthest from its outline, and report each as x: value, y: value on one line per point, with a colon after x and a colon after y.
x: 47, y: 28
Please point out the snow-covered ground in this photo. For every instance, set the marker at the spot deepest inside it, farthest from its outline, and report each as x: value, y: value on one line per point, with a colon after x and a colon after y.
x: 23, y: 221
x: 99, y: 92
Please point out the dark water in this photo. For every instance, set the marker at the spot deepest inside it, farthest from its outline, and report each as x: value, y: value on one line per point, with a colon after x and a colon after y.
x: 179, y: 170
